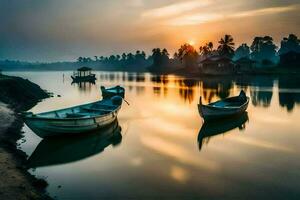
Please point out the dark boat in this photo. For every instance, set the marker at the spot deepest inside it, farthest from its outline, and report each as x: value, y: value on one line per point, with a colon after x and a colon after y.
x: 83, y: 74
x: 113, y: 91
x: 62, y: 150
x: 210, y: 129
x: 224, y: 108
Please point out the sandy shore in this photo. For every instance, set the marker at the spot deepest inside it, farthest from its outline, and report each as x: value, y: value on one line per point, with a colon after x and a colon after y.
x: 16, y: 182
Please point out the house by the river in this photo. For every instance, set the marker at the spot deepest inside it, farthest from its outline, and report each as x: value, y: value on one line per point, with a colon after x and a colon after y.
x: 245, y: 65
x: 217, y: 65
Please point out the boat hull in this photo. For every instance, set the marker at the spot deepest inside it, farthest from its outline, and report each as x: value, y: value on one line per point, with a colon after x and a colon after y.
x: 45, y: 128
x: 90, y: 78
x: 209, y: 113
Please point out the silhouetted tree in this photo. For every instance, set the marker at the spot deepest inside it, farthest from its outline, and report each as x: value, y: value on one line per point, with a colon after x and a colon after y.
x: 206, y: 50
x: 86, y: 59
x: 291, y: 43
x: 263, y: 48
x: 156, y: 55
x: 160, y: 57
x: 242, y: 51
x: 129, y: 59
x: 226, y: 47
x: 123, y: 59
x: 188, y: 55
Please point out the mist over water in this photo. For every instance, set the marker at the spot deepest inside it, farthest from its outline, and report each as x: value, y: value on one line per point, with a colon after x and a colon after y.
x: 164, y: 150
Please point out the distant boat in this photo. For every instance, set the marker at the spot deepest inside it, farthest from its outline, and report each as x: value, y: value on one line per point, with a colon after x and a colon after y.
x: 224, y: 108
x: 80, y: 83
x: 213, y: 128
x: 74, y: 120
x: 62, y: 150
x: 83, y: 74
x: 113, y: 91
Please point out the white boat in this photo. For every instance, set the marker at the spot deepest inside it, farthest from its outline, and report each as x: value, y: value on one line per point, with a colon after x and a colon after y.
x: 74, y: 120
x: 224, y: 108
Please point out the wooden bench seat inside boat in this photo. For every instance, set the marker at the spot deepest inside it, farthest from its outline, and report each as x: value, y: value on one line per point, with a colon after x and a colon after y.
x: 75, y: 115
x: 96, y: 110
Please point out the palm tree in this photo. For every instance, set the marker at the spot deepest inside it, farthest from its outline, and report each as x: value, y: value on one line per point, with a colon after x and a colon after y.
x: 210, y: 46
x: 165, y: 52
x: 226, y: 47
x: 206, y: 50
x: 188, y: 55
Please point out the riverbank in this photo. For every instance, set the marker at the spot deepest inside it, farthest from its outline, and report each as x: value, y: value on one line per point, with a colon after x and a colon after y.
x: 275, y: 71
x: 16, y: 95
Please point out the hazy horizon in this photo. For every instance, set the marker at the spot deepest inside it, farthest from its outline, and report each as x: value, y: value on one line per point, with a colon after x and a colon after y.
x: 55, y: 30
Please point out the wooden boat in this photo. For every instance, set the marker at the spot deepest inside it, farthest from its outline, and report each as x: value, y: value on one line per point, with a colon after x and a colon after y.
x: 224, y: 108
x: 83, y: 74
x: 213, y: 128
x: 109, y: 92
x: 88, y: 78
x: 74, y: 120
x: 62, y: 150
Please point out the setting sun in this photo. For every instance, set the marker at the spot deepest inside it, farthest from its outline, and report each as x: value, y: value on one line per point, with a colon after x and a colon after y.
x: 192, y: 42
x: 173, y: 94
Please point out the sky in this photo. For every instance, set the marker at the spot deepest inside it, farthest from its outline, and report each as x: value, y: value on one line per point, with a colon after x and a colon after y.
x: 57, y: 30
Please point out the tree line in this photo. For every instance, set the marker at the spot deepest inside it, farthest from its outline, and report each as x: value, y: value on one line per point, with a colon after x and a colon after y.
x: 139, y: 58
x: 263, y: 50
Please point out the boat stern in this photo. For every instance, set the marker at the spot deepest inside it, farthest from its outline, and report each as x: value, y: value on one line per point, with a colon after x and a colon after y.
x: 200, y: 107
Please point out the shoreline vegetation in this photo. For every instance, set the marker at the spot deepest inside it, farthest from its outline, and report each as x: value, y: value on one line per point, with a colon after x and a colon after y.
x: 261, y: 57
x: 17, y: 95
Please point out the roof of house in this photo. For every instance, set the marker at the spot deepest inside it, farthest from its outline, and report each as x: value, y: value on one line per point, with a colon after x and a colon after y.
x: 82, y: 69
x: 216, y: 59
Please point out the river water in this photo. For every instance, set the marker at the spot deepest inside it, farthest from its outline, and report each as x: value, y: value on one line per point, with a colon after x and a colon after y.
x: 163, y: 150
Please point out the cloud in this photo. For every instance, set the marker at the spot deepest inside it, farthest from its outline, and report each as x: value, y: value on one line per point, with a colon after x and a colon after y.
x: 194, y: 19
x: 136, y: 3
x: 49, y: 30
x: 175, y: 9
x: 265, y: 11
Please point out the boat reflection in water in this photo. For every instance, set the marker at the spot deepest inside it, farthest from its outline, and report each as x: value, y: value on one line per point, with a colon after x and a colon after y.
x: 62, y: 150
x: 213, y: 128
x: 84, y: 85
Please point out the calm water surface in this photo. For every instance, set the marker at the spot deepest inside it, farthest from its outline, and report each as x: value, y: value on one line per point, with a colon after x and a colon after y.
x: 164, y: 150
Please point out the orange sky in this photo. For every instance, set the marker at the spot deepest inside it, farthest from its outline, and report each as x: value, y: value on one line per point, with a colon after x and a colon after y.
x: 48, y: 30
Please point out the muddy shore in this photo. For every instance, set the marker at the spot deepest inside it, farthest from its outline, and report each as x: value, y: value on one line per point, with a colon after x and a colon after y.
x: 17, y: 95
